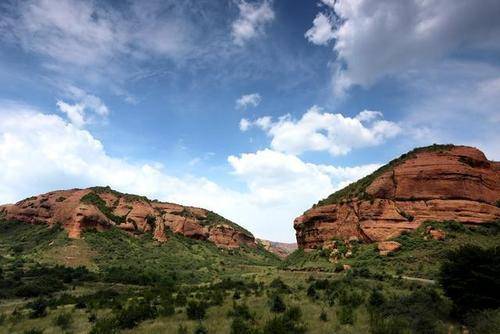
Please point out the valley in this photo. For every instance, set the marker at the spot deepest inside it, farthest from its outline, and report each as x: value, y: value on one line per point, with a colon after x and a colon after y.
x: 415, y: 252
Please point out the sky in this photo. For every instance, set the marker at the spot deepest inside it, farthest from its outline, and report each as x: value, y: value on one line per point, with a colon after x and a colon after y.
x: 253, y: 109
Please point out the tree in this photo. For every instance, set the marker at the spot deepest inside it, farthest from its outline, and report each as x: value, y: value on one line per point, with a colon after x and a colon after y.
x: 470, y: 277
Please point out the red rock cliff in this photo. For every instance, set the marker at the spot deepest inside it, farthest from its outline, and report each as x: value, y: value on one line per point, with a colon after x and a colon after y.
x: 102, y: 208
x: 440, y: 182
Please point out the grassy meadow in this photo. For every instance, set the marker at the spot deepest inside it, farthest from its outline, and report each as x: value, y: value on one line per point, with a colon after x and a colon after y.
x: 113, y: 282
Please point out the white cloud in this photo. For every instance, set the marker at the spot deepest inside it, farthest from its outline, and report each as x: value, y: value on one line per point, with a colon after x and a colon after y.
x: 322, y: 30
x: 77, y: 112
x: 377, y: 38
x: 251, y: 20
x: 87, y: 33
x: 317, y: 130
x: 279, y: 186
x: 244, y: 124
x: 248, y: 100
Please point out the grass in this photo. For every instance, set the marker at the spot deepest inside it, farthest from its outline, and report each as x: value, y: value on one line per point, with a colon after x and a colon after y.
x: 203, y: 273
x: 420, y: 256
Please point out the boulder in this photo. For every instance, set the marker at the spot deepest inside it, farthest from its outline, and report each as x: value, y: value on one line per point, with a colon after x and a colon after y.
x: 387, y: 247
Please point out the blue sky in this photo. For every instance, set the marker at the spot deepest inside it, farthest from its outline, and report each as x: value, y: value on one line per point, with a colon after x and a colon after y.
x: 254, y: 109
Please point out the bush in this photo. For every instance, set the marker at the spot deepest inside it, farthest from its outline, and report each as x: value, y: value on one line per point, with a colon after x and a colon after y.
x: 323, y: 316
x: 38, y: 308
x: 63, y: 320
x: 279, y: 285
x: 277, y: 304
x: 288, y: 323
x: 138, y: 311
x: 200, y: 329
x: 470, y: 277
x: 182, y: 329
x: 105, y: 326
x: 376, y: 299
x: 240, y: 326
x: 484, y: 322
x: 241, y: 311
x: 389, y: 325
x: 33, y: 331
x: 196, y: 310
x: 345, y: 315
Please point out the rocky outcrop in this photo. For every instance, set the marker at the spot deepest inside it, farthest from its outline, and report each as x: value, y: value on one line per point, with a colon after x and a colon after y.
x: 281, y: 249
x: 440, y: 182
x: 101, y: 208
x: 387, y: 247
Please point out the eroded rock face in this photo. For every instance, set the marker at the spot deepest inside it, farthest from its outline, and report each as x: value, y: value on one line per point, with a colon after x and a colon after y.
x: 457, y: 183
x: 101, y: 208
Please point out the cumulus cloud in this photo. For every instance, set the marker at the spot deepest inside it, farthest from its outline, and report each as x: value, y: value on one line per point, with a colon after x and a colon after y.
x: 322, y: 30
x: 251, y: 21
x: 377, y: 38
x: 280, y: 178
x: 78, y: 112
x: 317, y: 130
x: 279, y: 186
x: 248, y: 100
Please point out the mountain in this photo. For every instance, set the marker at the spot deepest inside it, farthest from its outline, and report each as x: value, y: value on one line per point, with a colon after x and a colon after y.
x: 282, y: 249
x: 438, y: 182
x: 101, y: 208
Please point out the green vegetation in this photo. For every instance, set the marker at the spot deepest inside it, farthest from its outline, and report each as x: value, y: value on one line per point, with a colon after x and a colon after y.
x: 188, y: 286
x: 94, y: 199
x: 127, y: 197
x: 470, y: 277
x: 214, y: 219
x: 358, y: 189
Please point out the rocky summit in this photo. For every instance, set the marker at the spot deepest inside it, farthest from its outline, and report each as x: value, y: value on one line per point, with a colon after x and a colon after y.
x: 101, y: 208
x: 438, y: 182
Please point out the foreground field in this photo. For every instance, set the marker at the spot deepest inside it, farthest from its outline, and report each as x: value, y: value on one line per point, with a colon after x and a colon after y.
x: 133, y: 285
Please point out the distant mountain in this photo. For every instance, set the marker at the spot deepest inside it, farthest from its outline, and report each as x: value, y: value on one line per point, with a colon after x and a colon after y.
x: 438, y: 182
x: 282, y: 249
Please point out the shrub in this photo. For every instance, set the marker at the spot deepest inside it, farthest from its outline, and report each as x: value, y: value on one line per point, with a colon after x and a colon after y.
x: 63, y: 320
x: 389, y: 325
x: 240, y: 311
x: 182, y: 329
x: 288, y: 323
x: 484, y: 322
x: 181, y: 299
x: 105, y: 326
x: 200, y: 329
x: 376, y: 299
x: 196, y: 310
x: 33, y: 331
x: 277, y: 304
x: 138, y: 310
x: 345, y: 315
x: 38, y: 308
x: 279, y: 285
x: 470, y: 277
x: 323, y: 316
x: 240, y: 326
